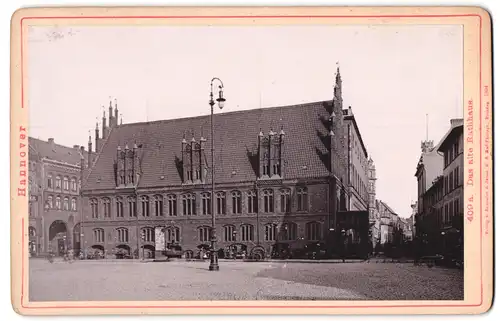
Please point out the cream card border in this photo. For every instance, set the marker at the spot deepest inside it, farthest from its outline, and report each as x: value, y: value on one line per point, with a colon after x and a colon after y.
x: 478, y: 254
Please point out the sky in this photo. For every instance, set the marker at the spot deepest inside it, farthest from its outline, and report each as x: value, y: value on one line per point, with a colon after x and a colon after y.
x: 392, y: 77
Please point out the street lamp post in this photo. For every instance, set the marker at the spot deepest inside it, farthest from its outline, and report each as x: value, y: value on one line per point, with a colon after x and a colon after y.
x: 214, y: 261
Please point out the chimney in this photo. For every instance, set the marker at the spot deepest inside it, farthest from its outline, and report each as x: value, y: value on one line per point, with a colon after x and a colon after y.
x: 51, y: 142
x: 76, y: 146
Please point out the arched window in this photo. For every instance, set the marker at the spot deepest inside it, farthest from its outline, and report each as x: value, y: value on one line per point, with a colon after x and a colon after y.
x: 148, y: 234
x: 289, y: 231
x: 58, y: 202
x: 66, y: 204
x: 106, y: 206
x: 189, y: 204
x: 313, y: 231
x: 206, y: 204
x: 229, y: 233
x: 98, y: 235
x: 50, y: 183
x: 158, y: 205
x: 172, y: 234
x: 132, y: 207
x: 31, y: 231
x: 119, y: 207
x: 246, y: 232
x: 50, y: 201
x: 172, y: 205
x: 302, y: 204
x: 221, y: 202
x: 122, y: 234
x: 93, y: 208
x: 145, y: 206
x: 204, y: 233
x: 253, y: 204
x: 73, y: 184
x: 270, y: 232
x: 58, y: 181
x: 73, y: 204
x: 236, y: 202
x: 285, y: 200
x: 268, y: 201
x: 66, y: 183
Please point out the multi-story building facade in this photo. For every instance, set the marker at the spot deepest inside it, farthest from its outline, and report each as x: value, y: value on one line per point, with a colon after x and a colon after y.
x: 387, y: 219
x: 451, y: 202
x: 357, y: 157
x: 280, y: 178
x: 54, y: 202
x: 430, y: 167
x: 373, y: 213
x: 439, y: 219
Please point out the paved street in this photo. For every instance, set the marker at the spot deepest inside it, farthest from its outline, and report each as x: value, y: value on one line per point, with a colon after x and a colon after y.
x: 131, y: 280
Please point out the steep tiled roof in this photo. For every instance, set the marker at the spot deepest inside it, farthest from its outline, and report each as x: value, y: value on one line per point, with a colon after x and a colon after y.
x: 236, y: 141
x: 53, y: 151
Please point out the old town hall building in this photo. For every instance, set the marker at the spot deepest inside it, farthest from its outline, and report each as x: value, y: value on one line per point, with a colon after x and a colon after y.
x: 280, y: 178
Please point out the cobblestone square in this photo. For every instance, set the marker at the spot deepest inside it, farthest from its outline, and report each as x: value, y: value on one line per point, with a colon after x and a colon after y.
x: 179, y: 280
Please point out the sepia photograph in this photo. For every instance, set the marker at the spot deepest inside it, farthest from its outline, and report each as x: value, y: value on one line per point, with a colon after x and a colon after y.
x: 234, y: 162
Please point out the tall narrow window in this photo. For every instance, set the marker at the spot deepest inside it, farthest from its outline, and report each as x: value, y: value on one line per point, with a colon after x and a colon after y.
x: 289, y: 231
x: 302, y: 204
x: 221, y: 202
x: 65, y: 183
x: 246, y: 232
x: 106, y: 205
x: 236, y: 202
x: 50, y: 183
x: 50, y: 201
x: 189, y: 204
x: 148, y: 234
x: 58, y: 181
x: 66, y: 204
x: 93, y: 207
x: 132, y: 207
x: 122, y: 177
x: 122, y: 234
x: 252, y: 202
x: 98, y: 235
x: 119, y: 207
x: 206, y: 204
x: 172, y: 205
x: 313, y: 230
x: 285, y: 200
x: 457, y: 176
x: 204, y: 234
x: 270, y: 231
x: 145, y: 206
x: 58, y: 202
x: 172, y: 234
x: 268, y: 201
x: 451, y: 182
x: 73, y: 184
x: 229, y: 233
x: 158, y: 205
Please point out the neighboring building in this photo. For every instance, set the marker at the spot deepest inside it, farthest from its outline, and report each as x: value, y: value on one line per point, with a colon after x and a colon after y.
x: 430, y: 166
x: 452, y: 204
x: 280, y: 177
x: 439, y: 219
x: 54, y: 202
x: 387, y: 220
x: 374, y: 215
x: 408, y: 228
x: 357, y: 157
